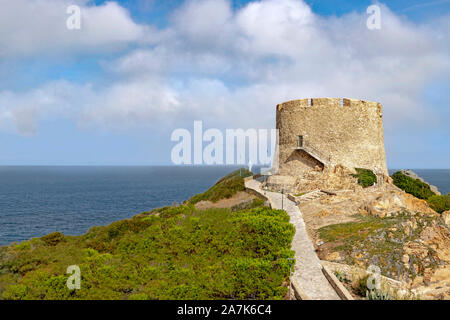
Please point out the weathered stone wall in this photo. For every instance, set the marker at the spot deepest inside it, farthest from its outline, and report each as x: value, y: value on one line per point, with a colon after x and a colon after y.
x: 350, y: 134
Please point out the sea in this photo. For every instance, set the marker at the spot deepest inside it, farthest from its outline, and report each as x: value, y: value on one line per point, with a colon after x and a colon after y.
x: 35, y: 201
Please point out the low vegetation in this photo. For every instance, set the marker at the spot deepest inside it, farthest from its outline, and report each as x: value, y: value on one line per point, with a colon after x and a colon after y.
x: 225, y: 188
x: 342, y: 277
x: 366, y: 177
x: 176, y: 252
x: 421, y: 190
x: 439, y: 203
x: 354, y: 231
x: 371, y: 294
x: 416, y: 187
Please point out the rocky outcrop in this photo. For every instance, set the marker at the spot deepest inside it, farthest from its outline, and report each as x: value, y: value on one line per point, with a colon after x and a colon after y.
x: 430, y: 259
x: 409, y: 241
x: 446, y: 217
x: 416, y: 205
x: 387, y: 204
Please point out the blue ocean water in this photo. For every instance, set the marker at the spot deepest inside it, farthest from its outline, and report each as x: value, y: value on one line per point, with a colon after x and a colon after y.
x: 35, y: 201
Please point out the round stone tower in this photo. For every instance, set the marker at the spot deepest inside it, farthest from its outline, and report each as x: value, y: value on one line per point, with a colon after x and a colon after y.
x: 323, y: 132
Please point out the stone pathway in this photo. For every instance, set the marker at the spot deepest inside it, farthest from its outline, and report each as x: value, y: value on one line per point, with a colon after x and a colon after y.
x: 308, y: 271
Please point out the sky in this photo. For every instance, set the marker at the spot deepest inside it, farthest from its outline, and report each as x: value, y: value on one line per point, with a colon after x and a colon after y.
x: 113, y: 91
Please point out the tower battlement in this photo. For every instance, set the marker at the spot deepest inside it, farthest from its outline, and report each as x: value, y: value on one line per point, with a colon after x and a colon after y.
x: 327, y: 102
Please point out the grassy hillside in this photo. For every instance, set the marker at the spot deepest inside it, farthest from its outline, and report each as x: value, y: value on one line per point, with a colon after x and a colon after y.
x: 224, y: 188
x: 175, y: 252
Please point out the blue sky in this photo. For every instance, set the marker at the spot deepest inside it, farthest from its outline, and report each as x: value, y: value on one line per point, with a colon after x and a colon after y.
x: 151, y: 11
x: 112, y: 92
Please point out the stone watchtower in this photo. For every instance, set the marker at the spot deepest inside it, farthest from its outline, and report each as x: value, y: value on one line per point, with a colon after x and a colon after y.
x: 323, y: 132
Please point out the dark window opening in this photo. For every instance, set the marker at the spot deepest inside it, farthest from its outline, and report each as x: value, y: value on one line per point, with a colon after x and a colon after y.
x: 300, y: 141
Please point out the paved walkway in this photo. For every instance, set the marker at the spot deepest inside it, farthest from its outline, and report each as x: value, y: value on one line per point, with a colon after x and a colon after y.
x: 308, y: 271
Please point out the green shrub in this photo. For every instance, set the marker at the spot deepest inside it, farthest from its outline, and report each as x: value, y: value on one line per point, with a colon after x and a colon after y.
x: 53, y: 239
x: 255, y: 203
x: 366, y: 177
x: 242, y: 173
x: 362, y: 286
x: 416, y: 187
x: 421, y: 190
x: 341, y: 277
x: 15, y: 292
x: 26, y: 245
x: 172, y: 253
x: 175, y: 252
x: 138, y: 296
x: 225, y: 188
x: 439, y: 203
x: 371, y: 294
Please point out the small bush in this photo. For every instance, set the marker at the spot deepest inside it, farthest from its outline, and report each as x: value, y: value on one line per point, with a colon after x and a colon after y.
x: 255, y: 203
x: 439, y: 203
x: 371, y: 294
x: 26, y: 245
x: 366, y: 177
x: 225, y: 188
x: 53, y: 239
x: 362, y: 286
x: 341, y: 277
x: 15, y: 292
x: 416, y: 187
x: 242, y: 173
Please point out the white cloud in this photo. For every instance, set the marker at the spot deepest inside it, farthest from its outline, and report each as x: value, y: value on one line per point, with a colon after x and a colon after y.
x: 29, y: 27
x: 230, y: 68
x: 274, y: 50
x: 21, y: 111
x: 203, y: 21
x: 124, y: 105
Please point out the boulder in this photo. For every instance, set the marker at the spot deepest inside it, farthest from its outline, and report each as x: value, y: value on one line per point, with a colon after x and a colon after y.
x: 416, y: 205
x: 389, y: 204
x: 385, y: 205
x: 446, y: 217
